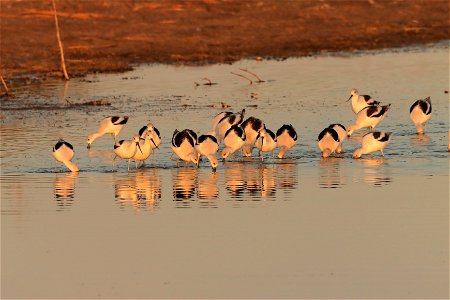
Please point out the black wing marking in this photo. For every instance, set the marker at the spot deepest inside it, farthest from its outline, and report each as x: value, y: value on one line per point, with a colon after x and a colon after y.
x: 192, y: 134
x: 60, y: 143
x: 255, y: 123
x: 118, y: 144
x: 238, y: 130
x: 227, y: 113
x: 340, y: 125
x: 142, y: 130
x: 386, y: 137
x: 270, y: 132
x: 157, y: 131
x: 376, y: 135
x: 290, y: 130
x: 203, y: 137
x: 330, y: 131
x: 173, y: 137
x: 373, y: 112
x: 116, y: 120
x: 367, y: 98
x: 370, y: 110
x: 180, y: 137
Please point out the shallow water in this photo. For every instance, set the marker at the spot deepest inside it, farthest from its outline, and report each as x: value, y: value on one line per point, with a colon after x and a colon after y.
x: 302, y: 227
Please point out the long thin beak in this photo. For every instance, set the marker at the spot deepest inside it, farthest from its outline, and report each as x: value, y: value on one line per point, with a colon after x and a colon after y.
x: 262, y: 142
x: 154, y: 143
x: 139, y: 147
x: 349, y: 98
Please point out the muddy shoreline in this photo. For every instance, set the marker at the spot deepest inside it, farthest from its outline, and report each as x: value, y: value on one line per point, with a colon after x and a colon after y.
x: 110, y: 36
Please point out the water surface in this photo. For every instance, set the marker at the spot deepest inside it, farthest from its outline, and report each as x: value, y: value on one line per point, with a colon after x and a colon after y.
x: 302, y: 227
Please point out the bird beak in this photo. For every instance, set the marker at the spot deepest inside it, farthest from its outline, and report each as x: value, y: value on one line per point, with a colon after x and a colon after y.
x: 349, y: 98
x: 89, y: 146
x: 154, y: 143
x: 142, y: 139
x: 214, y: 169
x: 139, y: 147
x: 262, y: 142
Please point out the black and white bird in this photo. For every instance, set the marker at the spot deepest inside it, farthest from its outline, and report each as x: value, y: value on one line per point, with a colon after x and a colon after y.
x: 372, y: 142
x: 112, y: 125
x: 420, y: 113
x: 252, y: 126
x: 360, y: 101
x: 155, y: 135
x: 342, y: 133
x: 126, y: 149
x: 145, y: 145
x: 227, y: 122
x: 219, y: 118
x: 183, y: 145
x: 234, y: 140
x: 368, y: 117
x: 286, y: 138
x: 265, y: 141
x: 63, y: 152
x: 208, y: 146
x: 328, y: 141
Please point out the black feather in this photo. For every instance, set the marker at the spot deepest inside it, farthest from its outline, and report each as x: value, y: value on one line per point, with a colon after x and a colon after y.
x: 330, y: 131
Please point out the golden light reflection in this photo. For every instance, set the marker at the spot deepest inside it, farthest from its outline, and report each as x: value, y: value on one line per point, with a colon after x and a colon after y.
x: 374, y: 171
x: 64, y: 189
x: 141, y: 190
x: 184, y: 183
x: 329, y: 173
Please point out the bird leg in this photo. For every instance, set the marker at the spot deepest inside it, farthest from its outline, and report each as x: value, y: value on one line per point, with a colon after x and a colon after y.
x: 382, y: 153
x: 113, y: 160
x: 129, y: 160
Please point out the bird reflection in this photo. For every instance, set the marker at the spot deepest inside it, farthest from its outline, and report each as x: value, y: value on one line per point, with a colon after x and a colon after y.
x: 207, y: 187
x: 184, y: 182
x: 64, y: 189
x: 374, y: 171
x: 420, y: 139
x: 329, y: 173
x: 141, y: 190
x: 258, y: 181
x: 234, y: 178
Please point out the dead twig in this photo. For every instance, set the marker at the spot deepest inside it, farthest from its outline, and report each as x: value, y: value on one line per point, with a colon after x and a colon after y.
x: 207, y: 83
x: 58, y: 36
x: 4, y: 85
x: 240, y: 75
x: 250, y: 72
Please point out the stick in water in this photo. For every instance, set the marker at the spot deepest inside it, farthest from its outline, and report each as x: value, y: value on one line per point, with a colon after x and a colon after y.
x: 250, y: 72
x: 240, y: 75
x: 4, y: 85
x: 63, y: 64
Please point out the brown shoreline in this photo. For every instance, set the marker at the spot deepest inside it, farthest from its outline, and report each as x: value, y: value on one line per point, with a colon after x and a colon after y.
x: 106, y: 36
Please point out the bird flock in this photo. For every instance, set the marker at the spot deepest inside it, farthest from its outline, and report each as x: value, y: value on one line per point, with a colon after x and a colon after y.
x: 234, y: 134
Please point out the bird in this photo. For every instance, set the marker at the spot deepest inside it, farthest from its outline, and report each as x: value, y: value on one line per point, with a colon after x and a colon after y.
x: 208, y: 146
x: 226, y: 122
x: 219, y: 118
x: 286, y: 138
x: 127, y: 149
x: 112, y: 125
x: 420, y: 113
x: 368, y: 117
x: 328, y: 141
x: 360, y: 101
x: 183, y: 145
x: 373, y: 141
x: 156, y: 137
x: 342, y: 133
x: 234, y: 140
x: 63, y: 152
x: 265, y: 141
x: 145, y: 145
x: 251, y: 126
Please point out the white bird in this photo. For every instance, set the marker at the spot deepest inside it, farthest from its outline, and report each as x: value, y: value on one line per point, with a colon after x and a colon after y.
x: 156, y: 137
x: 286, y: 138
x: 265, y: 141
x: 63, y: 152
x: 360, y: 101
x: 234, y: 140
x: 112, y: 125
x: 219, y: 118
x: 226, y: 122
x: 251, y: 126
x: 368, y: 117
x: 145, y: 144
x: 126, y: 149
x: 183, y: 145
x: 342, y: 133
x: 328, y: 141
x: 208, y: 146
x: 373, y: 141
x: 420, y: 113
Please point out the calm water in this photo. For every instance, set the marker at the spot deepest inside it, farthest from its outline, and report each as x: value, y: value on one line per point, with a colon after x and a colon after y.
x: 302, y: 227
